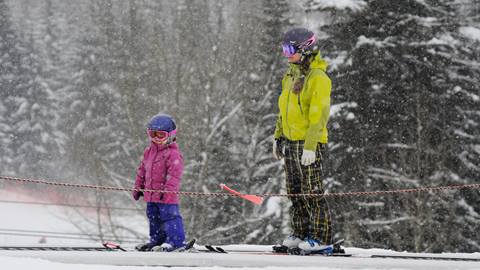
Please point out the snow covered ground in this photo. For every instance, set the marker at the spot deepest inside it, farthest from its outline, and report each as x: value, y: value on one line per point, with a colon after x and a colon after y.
x: 32, y: 223
x: 21, y: 221
x: 18, y: 219
x: 73, y: 260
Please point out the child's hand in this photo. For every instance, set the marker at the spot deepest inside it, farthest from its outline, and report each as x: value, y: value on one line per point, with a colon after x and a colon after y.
x: 137, y: 194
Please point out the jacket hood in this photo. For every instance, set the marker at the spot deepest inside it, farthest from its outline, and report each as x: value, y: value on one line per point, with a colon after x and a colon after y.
x: 319, y: 63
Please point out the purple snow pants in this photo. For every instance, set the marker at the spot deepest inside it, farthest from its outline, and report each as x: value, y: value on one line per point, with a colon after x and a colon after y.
x: 166, y: 224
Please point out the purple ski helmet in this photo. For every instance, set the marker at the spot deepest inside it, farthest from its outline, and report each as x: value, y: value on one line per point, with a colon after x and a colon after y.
x: 162, y: 129
x: 298, y: 40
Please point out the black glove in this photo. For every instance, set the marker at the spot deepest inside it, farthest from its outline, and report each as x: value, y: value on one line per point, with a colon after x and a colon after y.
x: 137, y: 194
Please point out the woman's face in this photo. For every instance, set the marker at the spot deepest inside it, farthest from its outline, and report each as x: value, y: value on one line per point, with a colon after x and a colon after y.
x: 295, y: 58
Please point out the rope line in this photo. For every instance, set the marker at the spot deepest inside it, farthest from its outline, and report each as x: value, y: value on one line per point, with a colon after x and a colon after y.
x: 221, y: 194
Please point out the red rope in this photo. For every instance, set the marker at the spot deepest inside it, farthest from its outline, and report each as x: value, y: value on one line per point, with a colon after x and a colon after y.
x: 218, y: 194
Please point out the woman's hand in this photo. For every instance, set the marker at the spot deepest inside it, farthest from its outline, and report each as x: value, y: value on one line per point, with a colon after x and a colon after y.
x: 308, y: 157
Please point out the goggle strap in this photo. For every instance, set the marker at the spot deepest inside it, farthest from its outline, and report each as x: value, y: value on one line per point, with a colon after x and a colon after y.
x: 307, y: 42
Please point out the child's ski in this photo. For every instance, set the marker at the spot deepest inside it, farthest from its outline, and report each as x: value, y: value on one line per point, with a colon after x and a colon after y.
x: 115, y: 246
x: 214, y: 249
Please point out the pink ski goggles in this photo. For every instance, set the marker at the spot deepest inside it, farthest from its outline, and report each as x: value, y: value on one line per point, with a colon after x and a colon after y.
x: 158, y: 136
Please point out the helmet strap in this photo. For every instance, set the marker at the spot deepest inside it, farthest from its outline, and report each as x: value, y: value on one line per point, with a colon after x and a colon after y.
x: 304, y: 55
x: 305, y: 58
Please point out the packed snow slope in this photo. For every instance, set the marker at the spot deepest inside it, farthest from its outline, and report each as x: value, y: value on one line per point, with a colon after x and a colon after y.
x: 22, y: 224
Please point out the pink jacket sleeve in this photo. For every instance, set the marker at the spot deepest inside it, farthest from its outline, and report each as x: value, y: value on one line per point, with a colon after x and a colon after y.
x: 140, y: 179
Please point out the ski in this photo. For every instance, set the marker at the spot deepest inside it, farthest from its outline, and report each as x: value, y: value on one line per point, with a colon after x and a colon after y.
x: 192, y: 247
x: 188, y: 246
x: 423, y: 257
x: 112, y: 246
x: 214, y: 249
x: 334, y: 250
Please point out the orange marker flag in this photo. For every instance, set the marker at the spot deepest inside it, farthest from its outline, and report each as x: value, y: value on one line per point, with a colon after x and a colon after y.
x: 253, y: 198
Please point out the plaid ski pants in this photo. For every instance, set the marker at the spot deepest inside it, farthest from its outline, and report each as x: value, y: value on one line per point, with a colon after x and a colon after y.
x: 309, y: 216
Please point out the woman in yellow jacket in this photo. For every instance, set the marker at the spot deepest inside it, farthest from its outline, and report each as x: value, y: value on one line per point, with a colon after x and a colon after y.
x: 300, y: 138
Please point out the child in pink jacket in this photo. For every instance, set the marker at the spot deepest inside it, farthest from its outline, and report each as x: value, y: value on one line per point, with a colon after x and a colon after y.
x: 161, y: 169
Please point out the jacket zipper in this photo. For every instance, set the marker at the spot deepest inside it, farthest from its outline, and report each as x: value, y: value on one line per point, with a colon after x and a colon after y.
x: 286, y: 115
x: 299, y: 103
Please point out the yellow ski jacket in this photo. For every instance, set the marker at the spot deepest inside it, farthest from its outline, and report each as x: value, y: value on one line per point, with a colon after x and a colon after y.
x: 304, y: 116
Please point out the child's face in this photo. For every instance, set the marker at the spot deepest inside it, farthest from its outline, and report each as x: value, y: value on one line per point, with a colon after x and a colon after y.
x: 158, y: 136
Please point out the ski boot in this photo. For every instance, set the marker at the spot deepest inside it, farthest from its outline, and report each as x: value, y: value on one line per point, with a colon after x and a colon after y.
x: 290, y: 242
x: 313, y: 246
x: 167, y: 247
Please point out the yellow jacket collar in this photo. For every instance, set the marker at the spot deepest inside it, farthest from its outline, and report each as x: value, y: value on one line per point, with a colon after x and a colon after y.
x: 319, y: 63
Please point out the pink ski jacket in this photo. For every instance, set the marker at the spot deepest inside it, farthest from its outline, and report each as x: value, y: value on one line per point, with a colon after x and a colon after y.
x: 160, y: 169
